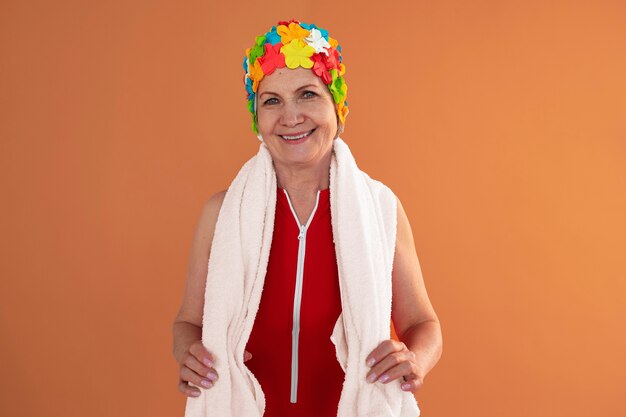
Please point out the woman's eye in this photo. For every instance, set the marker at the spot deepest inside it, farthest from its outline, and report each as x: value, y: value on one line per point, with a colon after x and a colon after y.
x: 309, y: 94
x: 270, y: 101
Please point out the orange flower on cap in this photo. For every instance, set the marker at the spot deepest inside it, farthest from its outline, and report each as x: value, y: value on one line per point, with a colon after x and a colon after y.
x: 256, y: 75
x: 293, y: 31
x: 342, y: 112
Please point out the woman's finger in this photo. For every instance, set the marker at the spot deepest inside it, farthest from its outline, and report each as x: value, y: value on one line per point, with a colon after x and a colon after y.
x: 187, y: 375
x: 384, y: 349
x: 246, y: 355
x: 412, y: 384
x: 187, y: 389
x: 198, y: 350
x: 392, y: 367
x: 192, y: 363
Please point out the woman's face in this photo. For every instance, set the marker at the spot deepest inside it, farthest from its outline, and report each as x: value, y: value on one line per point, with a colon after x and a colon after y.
x: 292, y: 103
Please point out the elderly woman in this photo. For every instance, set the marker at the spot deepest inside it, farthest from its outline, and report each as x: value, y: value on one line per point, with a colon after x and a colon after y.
x: 305, y: 254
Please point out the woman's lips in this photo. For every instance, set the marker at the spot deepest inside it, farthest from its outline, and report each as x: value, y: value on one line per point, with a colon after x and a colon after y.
x: 300, y: 140
x: 297, y: 134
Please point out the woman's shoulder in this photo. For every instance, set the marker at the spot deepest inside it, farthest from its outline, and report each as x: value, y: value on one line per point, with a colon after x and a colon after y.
x: 209, y: 215
x: 214, y: 202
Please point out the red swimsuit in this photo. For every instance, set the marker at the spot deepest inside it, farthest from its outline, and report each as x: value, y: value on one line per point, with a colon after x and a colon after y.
x: 298, y: 370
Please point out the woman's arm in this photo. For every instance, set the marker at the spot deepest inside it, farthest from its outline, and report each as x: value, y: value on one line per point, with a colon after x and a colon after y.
x: 413, y: 315
x: 194, y: 360
x: 414, y: 319
x: 192, y: 306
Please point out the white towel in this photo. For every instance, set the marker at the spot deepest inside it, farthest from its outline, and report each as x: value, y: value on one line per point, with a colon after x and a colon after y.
x: 363, y: 216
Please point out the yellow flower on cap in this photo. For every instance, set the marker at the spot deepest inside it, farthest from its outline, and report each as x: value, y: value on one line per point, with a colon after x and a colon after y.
x: 333, y: 42
x: 297, y: 54
x: 294, y: 31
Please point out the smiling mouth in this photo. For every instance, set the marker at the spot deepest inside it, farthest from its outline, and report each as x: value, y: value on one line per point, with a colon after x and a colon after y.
x: 296, y: 137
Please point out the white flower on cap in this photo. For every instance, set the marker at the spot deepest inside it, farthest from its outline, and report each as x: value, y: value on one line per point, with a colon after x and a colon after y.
x: 317, y: 41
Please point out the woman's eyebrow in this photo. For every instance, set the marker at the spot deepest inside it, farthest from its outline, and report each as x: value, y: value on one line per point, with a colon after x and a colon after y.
x: 298, y: 89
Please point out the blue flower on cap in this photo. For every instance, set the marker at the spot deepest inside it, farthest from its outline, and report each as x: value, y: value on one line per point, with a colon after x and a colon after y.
x: 272, y: 36
x: 249, y: 87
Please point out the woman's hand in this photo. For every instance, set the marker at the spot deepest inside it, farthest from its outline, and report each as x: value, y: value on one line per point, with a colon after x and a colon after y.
x: 197, y: 368
x: 392, y: 360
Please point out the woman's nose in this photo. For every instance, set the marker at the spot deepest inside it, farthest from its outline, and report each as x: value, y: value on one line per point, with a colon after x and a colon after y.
x: 292, y: 114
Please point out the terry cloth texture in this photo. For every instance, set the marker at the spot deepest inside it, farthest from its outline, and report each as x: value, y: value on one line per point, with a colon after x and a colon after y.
x: 364, y: 219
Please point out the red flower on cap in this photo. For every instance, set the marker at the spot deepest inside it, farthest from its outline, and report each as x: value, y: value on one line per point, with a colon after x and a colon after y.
x: 320, y: 68
x: 283, y: 22
x: 272, y: 58
x: 332, y: 60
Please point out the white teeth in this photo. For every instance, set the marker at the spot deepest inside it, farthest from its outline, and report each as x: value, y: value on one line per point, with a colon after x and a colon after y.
x: 298, y: 137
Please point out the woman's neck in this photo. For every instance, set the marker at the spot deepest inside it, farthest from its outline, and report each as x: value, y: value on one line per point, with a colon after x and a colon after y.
x: 303, y: 181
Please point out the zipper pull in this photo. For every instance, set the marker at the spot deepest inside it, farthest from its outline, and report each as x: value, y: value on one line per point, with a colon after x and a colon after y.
x: 301, y: 235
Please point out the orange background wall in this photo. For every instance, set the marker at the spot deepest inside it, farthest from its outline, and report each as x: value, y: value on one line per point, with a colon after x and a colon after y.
x: 499, y: 124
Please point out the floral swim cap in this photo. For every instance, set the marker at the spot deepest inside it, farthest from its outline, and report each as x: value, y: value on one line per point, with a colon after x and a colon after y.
x: 294, y: 44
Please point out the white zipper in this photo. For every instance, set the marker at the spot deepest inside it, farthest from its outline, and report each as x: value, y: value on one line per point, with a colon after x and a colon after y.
x: 297, y: 298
